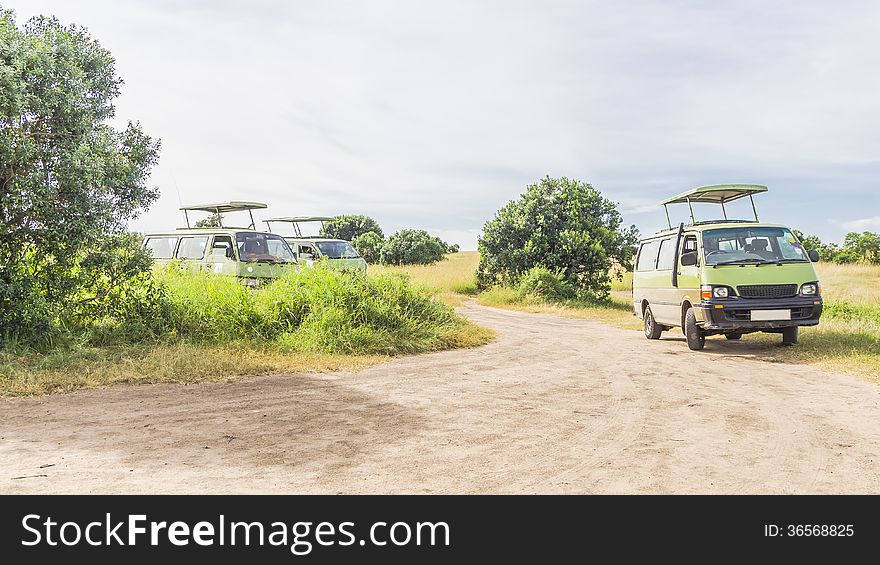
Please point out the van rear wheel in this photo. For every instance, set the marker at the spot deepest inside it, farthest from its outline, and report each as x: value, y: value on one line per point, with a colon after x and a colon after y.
x: 696, y: 339
x: 790, y: 335
x: 652, y: 328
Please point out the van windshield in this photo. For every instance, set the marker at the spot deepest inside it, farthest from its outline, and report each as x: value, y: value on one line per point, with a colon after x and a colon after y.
x: 731, y: 246
x: 337, y: 249
x: 263, y: 248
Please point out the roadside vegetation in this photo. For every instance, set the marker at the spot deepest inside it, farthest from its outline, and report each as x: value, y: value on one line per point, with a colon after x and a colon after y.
x: 202, y: 327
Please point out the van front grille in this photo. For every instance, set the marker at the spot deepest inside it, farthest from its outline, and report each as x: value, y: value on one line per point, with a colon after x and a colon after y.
x: 767, y: 290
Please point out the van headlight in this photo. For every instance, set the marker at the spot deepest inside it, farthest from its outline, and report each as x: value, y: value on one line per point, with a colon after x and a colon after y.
x: 810, y: 289
x: 707, y: 292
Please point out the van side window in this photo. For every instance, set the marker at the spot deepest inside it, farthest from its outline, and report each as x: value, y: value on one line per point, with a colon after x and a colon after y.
x: 690, y: 244
x: 161, y: 247
x: 667, y: 255
x: 648, y: 256
x: 223, y: 243
x: 192, y: 247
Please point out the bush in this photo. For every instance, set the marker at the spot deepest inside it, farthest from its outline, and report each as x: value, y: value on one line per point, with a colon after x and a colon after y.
x: 321, y: 308
x: 412, y: 247
x: 857, y: 247
x: 543, y: 283
x: 564, y: 225
x: 369, y: 245
x: 350, y: 228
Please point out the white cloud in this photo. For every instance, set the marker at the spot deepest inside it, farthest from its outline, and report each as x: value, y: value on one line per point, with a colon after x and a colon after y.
x: 864, y: 224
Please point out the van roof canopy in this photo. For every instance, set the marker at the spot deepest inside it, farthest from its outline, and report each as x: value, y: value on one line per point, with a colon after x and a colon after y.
x: 296, y: 220
x: 715, y: 194
x: 223, y: 208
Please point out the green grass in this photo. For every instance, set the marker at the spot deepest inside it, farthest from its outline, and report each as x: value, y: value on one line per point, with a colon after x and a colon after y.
x: 214, y: 328
x: 451, y: 280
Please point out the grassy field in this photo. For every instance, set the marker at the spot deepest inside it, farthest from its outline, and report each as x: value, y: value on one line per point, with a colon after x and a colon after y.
x: 213, y: 328
x: 450, y: 280
x: 846, y: 340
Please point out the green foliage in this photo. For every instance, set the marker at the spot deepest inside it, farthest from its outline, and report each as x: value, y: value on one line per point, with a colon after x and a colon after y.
x: 564, y: 225
x: 808, y: 241
x: 215, y: 220
x: 543, y: 283
x: 857, y: 248
x: 316, y: 309
x: 369, y: 245
x: 412, y: 247
x: 350, y: 227
x: 454, y: 248
x: 70, y: 182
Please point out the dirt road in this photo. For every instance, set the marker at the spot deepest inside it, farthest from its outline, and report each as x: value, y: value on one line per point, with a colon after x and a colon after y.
x: 554, y: 406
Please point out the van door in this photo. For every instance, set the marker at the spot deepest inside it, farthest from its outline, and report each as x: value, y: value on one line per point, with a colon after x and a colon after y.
x: 689, y: 277
x: 221, y: 259
x: 665, y: 305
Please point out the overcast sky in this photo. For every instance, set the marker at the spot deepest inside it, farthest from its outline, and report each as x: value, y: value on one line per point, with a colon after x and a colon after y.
x: 435, y: 114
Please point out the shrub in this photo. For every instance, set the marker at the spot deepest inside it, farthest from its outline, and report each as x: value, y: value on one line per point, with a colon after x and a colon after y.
x: 412, y: 247
x: 350, y: 227
x: 320, y: 308
x: 564, y: 225
x: 543, y: 283
x: 369, y: 245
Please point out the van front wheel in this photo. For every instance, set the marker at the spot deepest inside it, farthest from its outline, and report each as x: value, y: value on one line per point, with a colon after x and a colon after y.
x: 790, y: 335
x: 696, y: 339
x: 652, y: 328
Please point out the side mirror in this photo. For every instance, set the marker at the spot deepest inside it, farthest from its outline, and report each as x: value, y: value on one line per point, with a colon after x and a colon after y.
x: 689, y: 259
x: 813, y: 255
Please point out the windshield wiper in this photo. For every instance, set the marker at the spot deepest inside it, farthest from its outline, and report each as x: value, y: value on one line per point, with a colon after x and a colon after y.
x: 738, y: 262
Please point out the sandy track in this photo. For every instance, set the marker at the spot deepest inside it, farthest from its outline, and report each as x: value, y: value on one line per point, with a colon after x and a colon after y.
x: 555, y: 405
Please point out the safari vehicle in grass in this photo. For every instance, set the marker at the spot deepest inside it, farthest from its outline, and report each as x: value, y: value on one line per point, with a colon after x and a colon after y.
x: 241, y: 252
x: 308, y: 249
x: 725, y: 276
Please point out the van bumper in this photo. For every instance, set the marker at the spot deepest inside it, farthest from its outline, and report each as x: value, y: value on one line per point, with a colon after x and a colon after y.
x: 735, y: 313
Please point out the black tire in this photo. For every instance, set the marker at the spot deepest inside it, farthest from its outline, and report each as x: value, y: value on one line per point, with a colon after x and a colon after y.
x: 652, y: 328
x: 790, y: 335
x: 696, y: 339
x: 733, y: 336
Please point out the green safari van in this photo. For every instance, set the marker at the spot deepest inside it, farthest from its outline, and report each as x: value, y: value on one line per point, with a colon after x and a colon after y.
x: 337, y: 252
x: 241, y: 252
x: 725, y: 277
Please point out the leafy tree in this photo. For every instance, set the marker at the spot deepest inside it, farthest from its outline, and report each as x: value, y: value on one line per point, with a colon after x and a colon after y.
x: 564, y: 225
x: 350, y: 227
x: 412, y: 247
x: 70, y: 181
x: 215, y: 220
x: 454, y: 248
x: 369, y: 245
x: 808, y: 241
x: 865, y: 246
